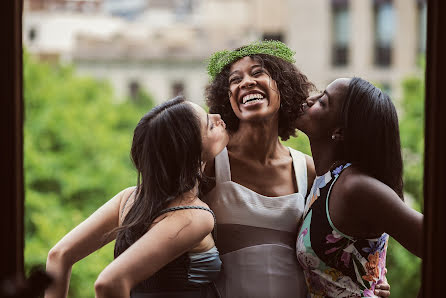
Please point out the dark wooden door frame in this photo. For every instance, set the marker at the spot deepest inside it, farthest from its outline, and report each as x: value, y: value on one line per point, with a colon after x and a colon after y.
x: 434, y: 262
x: 11, y: 129
x: 11, y: 132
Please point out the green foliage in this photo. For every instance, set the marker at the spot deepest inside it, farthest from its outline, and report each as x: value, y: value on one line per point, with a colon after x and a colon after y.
x: 300, y: 143
x: 76, y: 156
x: 76, y: 146
x: 403, y: 267
x: 412, y: 137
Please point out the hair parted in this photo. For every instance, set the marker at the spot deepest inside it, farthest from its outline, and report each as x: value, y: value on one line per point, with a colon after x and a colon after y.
x: 294, y: 87
x: 166, y: 152
x: 371, y: 134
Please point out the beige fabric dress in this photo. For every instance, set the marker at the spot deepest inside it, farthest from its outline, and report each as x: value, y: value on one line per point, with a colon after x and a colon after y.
x: 257, y: 235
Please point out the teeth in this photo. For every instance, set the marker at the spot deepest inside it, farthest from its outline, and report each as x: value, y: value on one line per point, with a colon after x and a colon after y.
x: 251, y: 97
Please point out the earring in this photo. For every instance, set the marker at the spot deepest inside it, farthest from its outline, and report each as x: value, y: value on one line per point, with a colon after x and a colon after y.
x: 333, y: 137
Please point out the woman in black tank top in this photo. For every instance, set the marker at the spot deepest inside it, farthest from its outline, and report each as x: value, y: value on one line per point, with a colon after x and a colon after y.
x: 164, y: 232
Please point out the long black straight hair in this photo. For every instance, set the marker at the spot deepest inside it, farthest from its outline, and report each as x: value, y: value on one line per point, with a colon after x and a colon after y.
x: 166, y: 152
x: 371, y: 134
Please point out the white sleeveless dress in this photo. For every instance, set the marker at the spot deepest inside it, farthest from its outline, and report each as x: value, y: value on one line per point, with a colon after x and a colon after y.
x: 256, y: 235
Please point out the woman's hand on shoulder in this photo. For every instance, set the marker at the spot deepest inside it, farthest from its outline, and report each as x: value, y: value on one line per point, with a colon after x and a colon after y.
x: 177, y: 233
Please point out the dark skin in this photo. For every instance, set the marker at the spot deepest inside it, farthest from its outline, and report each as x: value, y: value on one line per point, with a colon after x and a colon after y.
x: 355, y: 191
x: 258, y: 160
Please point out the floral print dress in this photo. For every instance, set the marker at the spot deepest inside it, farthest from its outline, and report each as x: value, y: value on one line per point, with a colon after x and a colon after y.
x: 335, y: 264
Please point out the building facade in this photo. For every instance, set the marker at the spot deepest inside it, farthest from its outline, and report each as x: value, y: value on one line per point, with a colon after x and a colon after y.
x: 162, y: 46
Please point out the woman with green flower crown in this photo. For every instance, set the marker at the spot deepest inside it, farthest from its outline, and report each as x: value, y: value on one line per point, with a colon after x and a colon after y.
x: 260, y: 185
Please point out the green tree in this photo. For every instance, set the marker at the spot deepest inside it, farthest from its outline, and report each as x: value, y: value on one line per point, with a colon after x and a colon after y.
x: 76, y: 156
x: 404, y: 268
x: 76, y: 146
x: 300, y: 142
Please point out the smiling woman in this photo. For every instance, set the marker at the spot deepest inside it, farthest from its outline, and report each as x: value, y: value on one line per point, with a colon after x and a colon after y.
x: 253, y: 94
x: 292, y: 85
x: 260, y: 184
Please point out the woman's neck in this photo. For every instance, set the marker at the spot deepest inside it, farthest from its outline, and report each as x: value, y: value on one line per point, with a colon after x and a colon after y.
x: 324, y: 155
x: 191, y: 194
x: 256, y: 140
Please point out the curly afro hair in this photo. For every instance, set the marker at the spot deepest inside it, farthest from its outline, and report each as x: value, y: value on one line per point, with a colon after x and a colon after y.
x: 294, y: 87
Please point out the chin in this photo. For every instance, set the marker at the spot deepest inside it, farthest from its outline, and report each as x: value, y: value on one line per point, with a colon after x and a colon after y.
x: 258, y: 115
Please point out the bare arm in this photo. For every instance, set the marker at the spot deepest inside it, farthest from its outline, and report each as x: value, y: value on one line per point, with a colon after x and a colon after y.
x: 171, y: 237
x: 361, y: 204
x: 370, y: 205
x: 84, y: 239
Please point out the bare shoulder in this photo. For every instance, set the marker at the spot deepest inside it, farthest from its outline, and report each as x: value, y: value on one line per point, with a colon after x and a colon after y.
x: 196, y: 218
x: 126, y: 201
x: 355, y: 195
x: 311, y: 171
x: 359, y: 188
x: 128, y: 191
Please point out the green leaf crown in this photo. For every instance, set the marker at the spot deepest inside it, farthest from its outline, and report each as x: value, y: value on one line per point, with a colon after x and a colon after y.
x: 220, y: 59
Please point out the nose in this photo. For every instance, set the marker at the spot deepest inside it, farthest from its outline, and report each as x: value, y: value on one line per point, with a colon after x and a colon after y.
x: 309, y: 101
x: 217, y: 119
x: 247, y: 82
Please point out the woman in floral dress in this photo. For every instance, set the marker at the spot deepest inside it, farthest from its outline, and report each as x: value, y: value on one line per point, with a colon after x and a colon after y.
x: 356, y: 200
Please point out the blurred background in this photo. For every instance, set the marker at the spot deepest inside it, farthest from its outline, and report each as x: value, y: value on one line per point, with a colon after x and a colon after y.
x: 92, y: 68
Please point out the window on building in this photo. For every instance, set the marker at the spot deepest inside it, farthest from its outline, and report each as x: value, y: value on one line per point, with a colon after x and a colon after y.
x: 134, y: 90
x: 384, y: 12
x: 422, y: 26
x: 32, y: 34
x: 340, y: 32
x: 184, y: 9
x: 177, y: 89
x: 273, y: 36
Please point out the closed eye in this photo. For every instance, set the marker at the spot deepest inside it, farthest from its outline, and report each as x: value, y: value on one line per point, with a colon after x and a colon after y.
x: 258, y: 72
x: 321, y: 99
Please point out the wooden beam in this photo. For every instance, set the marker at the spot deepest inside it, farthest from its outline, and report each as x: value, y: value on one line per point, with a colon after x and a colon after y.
x: 435, y: 152
x: 11, y: 131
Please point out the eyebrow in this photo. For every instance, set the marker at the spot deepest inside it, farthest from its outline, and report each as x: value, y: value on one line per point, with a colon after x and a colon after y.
x: 233, y: 72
